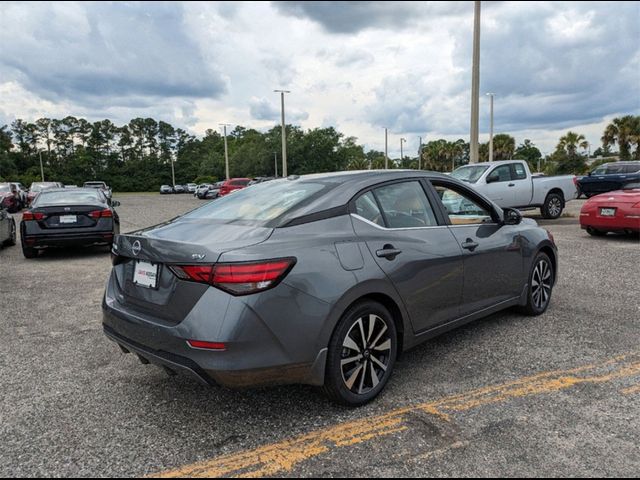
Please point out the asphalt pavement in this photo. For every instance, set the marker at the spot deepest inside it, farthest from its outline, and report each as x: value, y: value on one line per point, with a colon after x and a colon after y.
x: 555, y: 395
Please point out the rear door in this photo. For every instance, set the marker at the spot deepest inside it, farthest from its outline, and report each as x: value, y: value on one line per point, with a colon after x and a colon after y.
x: 493, y: 260
x: 414, y: 248
x: 522, y: 185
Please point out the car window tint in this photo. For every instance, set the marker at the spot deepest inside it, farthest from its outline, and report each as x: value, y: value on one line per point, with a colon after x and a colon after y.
x: 503, y: 173
x: 461, y: 209
x: 405, y: 205
x: 520, y: 172
x: 366, y: 207
x: 631, y: 168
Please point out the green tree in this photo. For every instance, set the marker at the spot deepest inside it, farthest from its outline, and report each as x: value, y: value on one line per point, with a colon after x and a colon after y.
x: 625, y: 131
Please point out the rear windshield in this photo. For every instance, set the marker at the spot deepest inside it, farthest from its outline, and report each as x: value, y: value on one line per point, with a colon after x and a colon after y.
x: 469, y: 174
x: 72, y: 197
x: 5, y: 189
x: 260, y: 203
x: 95, y: 185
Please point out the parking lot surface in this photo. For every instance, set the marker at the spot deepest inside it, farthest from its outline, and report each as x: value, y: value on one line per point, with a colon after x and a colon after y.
x: 555, y: 395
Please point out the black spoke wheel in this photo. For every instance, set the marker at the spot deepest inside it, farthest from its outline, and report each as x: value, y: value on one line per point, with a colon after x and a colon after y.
x: 361, y: 354
x: 541, y: 282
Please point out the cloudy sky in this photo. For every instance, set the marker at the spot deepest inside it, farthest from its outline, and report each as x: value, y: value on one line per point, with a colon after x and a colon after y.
x: 359, y: 66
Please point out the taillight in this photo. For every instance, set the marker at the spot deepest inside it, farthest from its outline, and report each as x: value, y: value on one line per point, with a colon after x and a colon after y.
x: 101, y: 214
x: 29, y: 216
x: 238, y: 278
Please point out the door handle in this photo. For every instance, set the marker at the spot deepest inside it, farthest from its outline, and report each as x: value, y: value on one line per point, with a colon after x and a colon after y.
x: 470, y: 245
x: 512, y: 184
x: 389, y: 252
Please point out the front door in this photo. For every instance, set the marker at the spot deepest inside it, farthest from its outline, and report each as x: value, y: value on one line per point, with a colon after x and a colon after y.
x: 493, y: 262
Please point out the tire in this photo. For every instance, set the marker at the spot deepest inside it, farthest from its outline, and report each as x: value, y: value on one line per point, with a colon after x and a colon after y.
x: 29, y: 252
x: 553, y: 206
x: 375, y: 356
x: 11, y: 241
x: 539, y: 292
x: 595, y: 232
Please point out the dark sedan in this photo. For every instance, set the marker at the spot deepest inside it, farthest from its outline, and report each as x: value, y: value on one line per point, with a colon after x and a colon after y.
x: 60, y: 217
x: 609, y: 177
x: 322, y: 279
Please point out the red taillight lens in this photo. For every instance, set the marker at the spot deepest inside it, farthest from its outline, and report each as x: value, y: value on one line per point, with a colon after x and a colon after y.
x: 237, y: 278
x: 207, y: 345
x: 29, y: 216
x: 101, y: 214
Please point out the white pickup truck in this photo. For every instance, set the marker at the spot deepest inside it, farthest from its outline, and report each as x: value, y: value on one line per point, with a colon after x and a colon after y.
x: 509, y: 183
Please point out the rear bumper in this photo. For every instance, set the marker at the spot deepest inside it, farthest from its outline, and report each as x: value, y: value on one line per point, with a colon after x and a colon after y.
x: 624, y: 220
x: 61, y: 240
x: 255, y: 355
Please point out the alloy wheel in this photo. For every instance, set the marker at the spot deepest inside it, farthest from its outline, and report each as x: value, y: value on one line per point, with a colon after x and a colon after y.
x: 541, y: 284
x: 555, y: 207
x: 366, y: 353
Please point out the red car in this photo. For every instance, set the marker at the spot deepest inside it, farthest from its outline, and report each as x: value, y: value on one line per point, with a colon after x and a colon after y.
x: 232, y: 185
x: 617, y: 211
x: 8, y: 200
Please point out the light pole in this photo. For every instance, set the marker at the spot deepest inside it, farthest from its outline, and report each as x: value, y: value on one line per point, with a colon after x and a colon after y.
x: 41, y: 167
x: 284, y: 134
x: 173, y: 170
x: 275, y: 162
x: 226, y: 150
x: 386, y: 149
x: 475, y: 86
x: 402, y: 141
x: 420, y: 155
x: 491, y: 95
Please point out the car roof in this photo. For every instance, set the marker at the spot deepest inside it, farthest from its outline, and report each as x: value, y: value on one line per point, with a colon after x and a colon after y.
x: 347, y: 184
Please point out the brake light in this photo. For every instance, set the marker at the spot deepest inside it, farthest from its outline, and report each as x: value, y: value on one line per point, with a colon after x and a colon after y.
x: 30, y: 216
x: 237, y: 278
x: 101, y: 214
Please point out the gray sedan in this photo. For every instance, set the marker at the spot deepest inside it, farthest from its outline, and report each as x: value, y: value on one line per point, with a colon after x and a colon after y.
x: 322, y: 279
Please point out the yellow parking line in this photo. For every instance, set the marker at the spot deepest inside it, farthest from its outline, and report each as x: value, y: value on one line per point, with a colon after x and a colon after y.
x: 283, y: 456
x: 631, y: 390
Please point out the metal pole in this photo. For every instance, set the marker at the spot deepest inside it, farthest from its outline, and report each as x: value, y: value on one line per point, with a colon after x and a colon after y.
x: 491, y: 95
x: 420, y: 155
x: 275, y: 162
x: 402, y: 140
x: 386, y: 149
x: 41, y: 167
x: 226, y: 153
x: 173, y: 171
x: 284, y: 133
x: 475, y: 86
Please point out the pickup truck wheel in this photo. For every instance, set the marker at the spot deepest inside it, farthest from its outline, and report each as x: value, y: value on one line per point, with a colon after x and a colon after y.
x: 552, y: 207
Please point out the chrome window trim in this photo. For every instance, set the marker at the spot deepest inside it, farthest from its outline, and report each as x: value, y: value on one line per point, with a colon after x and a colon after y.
x: 355, y: 215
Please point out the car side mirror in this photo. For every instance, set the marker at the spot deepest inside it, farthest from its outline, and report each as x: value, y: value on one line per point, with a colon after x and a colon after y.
x: 115, y: 203
x: 589, y: 174
x: 511, y: 216
x: 492, y: 178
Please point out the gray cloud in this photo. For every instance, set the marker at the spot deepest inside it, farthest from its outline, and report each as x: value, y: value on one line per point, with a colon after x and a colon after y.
x: 263, y: 109
x: 354, y: 16
x: 97, y: 52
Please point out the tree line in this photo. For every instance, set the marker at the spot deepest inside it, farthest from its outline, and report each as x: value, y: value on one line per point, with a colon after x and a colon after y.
x: 137, y: 156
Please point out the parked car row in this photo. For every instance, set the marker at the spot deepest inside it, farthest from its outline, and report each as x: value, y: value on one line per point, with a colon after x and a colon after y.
x: 188, y: 188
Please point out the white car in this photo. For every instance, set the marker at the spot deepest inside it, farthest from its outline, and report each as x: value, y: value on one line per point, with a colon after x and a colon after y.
x: 509, y: 183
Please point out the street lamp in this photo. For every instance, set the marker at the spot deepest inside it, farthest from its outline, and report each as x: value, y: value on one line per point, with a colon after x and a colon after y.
x: 402, y: 141
x: 226, y: 150
x: 284, y: 134
x: 491, y: 95
x: 386, y: 149
x: 420, y: 155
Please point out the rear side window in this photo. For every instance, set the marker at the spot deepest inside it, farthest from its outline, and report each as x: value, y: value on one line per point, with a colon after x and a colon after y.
x: 241, y: 183
x: 405, y: 205
x: 519, y: 171
x: 366, y: 207
x: 632, y: 168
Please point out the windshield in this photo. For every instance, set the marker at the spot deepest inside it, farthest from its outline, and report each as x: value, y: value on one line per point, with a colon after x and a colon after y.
x: 469, y: 174
x: 5, y: 189
x: 260, y: 203
x: 38, y: 187
x: 71, y: 197
x: 94, y: 185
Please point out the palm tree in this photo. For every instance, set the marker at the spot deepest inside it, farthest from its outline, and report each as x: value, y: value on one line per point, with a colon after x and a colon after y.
x: 504, y: 146
x: 570, y: 142
x: 625, y: 131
